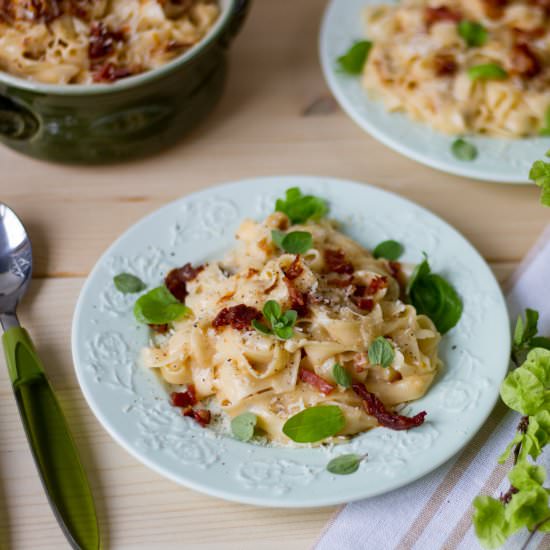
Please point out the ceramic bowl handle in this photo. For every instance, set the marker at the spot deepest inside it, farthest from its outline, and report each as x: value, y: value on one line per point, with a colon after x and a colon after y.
x: 16, y: 122
x: 239, y: 12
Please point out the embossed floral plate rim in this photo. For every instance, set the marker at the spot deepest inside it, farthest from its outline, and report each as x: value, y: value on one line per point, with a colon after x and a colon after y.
x: 132, y: 405
x: 499, y: 160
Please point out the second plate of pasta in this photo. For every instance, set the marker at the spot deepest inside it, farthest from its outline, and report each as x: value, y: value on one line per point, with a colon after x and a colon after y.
x: 241, y: 338
x: 440, y: 72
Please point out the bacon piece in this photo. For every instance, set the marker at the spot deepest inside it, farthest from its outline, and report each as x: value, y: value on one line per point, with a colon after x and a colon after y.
x: 440, y: 13
x: 523, y: 61
x: 375, y: 407
x: 202, y: 416
x: 177, y: 279
x: 376, y: 284
x: 366, y: 304
x: 109, y: 72
x: 309, y: 377
x: 295, y: 269
x: 298, y: 300
x: 186, y: 398
x: 239, y: 317
x: 102, y: 40
x: 445, y: 65
x: 161, y: 329
x: 337, y: 263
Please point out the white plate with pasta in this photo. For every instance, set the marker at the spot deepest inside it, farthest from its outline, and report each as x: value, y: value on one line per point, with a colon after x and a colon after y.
x: 269, y: 355
x: 438, y: 72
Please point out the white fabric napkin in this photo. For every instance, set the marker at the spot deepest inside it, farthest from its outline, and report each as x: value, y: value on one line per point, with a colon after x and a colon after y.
x: 435, y: 512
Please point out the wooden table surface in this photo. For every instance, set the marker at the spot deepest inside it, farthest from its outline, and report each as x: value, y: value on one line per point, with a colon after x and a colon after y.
x: 276, y: 117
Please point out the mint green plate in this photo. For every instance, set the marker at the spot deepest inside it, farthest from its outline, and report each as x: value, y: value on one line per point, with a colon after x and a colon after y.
x: 133, y: 406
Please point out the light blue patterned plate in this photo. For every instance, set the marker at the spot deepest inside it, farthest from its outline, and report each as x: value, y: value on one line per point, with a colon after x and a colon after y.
x: 133, y: 406
x: 499, y: 160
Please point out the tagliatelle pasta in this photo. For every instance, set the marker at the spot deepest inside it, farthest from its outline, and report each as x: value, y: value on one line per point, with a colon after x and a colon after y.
x: 84, y: 41
x: 419, y: 64
x: 344, y: 300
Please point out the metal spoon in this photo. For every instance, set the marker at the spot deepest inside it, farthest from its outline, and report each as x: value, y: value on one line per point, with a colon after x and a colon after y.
x: 51, y: 443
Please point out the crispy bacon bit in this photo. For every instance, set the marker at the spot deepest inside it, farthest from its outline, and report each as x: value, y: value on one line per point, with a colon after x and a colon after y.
x: 494, y: 8
x: 109, y: 72
x: 366, y: 304
x: 440, y: 13
x: 202, y: 416
x: 376, y: 284
x: 295, y: 269
x: 161, y: 329
x: 309, y: 377
x: 186, y: 398
x: 375, y: 407
x: 337, y: 263
x: 102, y: 40
x: 177, y: 279
x: 298, y: 300
x: 239, y: 317
x: 523, y: 61
x: 445, y: 65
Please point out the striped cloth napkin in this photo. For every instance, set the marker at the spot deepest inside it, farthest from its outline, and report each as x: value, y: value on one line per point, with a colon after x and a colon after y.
x: 435, y: 512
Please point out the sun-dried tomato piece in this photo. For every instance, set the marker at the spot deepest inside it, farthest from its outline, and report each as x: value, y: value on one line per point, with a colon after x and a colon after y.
x: 102, y: 40
x: 202, y: 416
x: 524, y: 61
x: 186, y: 398
x: 177, y: 279
x: 109, y: 72
x: 440, y: 13
x: 298, y: 300
x: 337, y: 263
x: 445, y: 65
x: 295, y: 269
x: 239, y: 317
x: 160, y: 329
x: 366, y: 304
x: 377, y: 283
x: 375, y: 407
x: 309, y: 377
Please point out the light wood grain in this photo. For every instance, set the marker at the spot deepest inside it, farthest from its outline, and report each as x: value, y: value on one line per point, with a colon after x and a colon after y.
x: 259, y: 128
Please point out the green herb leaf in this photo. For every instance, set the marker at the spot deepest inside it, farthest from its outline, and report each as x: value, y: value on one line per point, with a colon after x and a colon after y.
x: 345, y: 464
x: 487, y: 71
x: 272, y: 311
x: 260, y: 327
x: 288, y: 318
x: 128, y: 283
x: 284, y: 333
x: 243, y: 426
x: 158, y: 307
x: 540, y: 174
x: 353, y: 61
x: 295, y: 242
x: 540, y: 342
x: 381, y: 352
x: 314, y: 424
x: 464, y: 150
x: 281, y: 323
x: 300, y: 208
x: 474, y: 34
x: 391, y: 250
x: 341, y: 376
x: 489, y: 521
x: 433, y: 296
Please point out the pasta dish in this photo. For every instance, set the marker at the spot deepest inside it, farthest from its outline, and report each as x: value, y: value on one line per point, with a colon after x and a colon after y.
x: 84, y: 41
x: 272, y: 332
x: 478, y: 66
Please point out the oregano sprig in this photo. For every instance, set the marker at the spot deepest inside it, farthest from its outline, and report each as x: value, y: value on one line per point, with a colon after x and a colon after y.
x: 280, y: 324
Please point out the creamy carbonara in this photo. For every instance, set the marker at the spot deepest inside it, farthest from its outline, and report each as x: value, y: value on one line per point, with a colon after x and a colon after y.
x: 343, y: 298
x: 424, y: 52
x: 84, y: 41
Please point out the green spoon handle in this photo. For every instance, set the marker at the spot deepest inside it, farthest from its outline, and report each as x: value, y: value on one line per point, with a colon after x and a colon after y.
x: 51, y: 443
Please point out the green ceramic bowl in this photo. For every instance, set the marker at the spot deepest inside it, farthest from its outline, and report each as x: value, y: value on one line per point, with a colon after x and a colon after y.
x: 137, y: 116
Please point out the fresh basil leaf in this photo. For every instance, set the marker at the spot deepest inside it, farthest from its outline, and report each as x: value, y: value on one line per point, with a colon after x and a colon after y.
x: 272, y: 311
x: 531, y: 324
x: 158, y: 307
x: 487, y: 71
x: 344, y: 464
x: 128, y: 283
x: 435, y: 297
x: 420, y: 271
x: 314, y: 424
x: 341, y: 376
x: 243, y: 426
x: 464, y: 150
x: 519, y: 332
x: 391, y: 250
x: 297, y: 242
x: 540, y: 342
x: 277, y: 237
x: 300, y: 208
x: 284, y: 333
x: 489, y: 521
x: 474, y: 34
x: 288, y: 318
x: 353, y: 61
x: 381, y: 352
x: 260, y: 327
